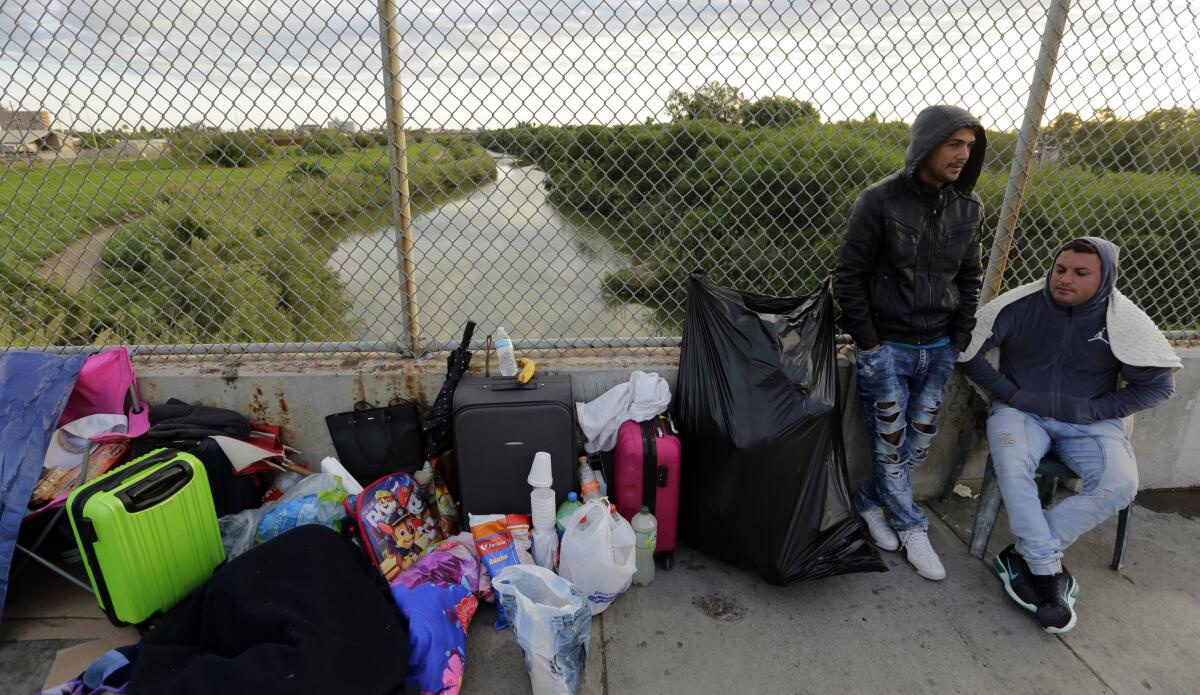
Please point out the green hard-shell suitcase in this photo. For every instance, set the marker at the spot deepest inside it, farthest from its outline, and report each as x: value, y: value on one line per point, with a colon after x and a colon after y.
x: 147, y: 532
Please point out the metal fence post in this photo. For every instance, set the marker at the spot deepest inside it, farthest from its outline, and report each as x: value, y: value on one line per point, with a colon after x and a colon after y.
x: 1035, y: 108
x: 390, y: 42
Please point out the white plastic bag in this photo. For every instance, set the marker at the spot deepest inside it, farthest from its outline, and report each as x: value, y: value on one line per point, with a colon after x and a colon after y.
x: 552, y: 623
x: 596, y: 554
x: 334, y: 467
x: 545, y: 547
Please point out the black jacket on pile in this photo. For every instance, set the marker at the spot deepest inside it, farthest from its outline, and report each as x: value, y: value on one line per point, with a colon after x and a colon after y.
x: 909, y: 268
x: 304, y: 613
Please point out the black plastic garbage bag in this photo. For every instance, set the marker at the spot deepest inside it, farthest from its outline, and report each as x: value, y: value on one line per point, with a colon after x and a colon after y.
x: 764, y: 483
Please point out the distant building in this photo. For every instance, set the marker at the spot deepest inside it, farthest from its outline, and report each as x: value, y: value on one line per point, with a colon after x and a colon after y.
x: 347, y: 126
x: 18, y: 143
x: 138, y: 149
x: 1048, y: 150
x: 1048, y: 154
x: 41, y: 144
x: 29, y: 135
x: 308, y: 128
x: 24, y: 120
x: 443, y: 132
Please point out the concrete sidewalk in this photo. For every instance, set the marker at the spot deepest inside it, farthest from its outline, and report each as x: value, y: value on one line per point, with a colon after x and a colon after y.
x: 707, y: 627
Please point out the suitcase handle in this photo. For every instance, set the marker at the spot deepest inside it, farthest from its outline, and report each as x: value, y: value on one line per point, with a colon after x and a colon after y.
x: 155, y: 488
x: 514, y: 385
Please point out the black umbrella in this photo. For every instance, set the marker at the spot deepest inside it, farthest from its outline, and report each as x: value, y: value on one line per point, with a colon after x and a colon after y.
x: 438, y: 432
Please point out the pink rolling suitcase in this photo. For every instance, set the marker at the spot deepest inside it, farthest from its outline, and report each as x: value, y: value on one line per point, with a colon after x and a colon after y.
x: 646, y: 469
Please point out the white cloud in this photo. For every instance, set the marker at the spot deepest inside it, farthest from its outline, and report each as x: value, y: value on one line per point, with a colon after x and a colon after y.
x: 476, y: 63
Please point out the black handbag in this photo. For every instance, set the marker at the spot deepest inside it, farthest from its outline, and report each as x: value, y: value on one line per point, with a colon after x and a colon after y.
x: 374, y: 442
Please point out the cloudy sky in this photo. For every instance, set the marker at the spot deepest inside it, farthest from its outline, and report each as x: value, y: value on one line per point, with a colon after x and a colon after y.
x: 473, y: 63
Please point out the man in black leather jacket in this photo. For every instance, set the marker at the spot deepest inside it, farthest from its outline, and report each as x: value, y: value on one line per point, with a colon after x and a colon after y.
x: 907, y: 280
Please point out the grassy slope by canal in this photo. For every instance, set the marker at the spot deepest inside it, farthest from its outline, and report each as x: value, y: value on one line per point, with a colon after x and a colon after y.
x: 202, y: 254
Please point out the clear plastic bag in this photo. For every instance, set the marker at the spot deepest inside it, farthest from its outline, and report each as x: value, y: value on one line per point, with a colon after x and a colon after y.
x: 324, y: 508
x: 597, y: 553
x: 239, y: 531
x: 552, y: 622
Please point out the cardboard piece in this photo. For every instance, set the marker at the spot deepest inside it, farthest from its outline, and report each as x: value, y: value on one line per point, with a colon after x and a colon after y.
x: 47, y: 607
x: 70, y: 662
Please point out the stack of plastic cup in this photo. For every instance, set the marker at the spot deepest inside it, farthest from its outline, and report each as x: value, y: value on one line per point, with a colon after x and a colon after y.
x: 542, y: 504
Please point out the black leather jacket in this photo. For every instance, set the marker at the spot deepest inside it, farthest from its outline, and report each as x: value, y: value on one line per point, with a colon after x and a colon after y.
x: 909, y: 268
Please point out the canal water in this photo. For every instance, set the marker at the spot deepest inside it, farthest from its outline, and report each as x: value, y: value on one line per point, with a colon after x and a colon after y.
x: 501, y: 255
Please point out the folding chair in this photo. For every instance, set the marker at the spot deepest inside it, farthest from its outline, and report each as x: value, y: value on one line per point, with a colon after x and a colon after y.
x: 106, y: 384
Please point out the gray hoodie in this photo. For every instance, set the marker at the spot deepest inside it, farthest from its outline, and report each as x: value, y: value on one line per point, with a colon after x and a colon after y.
x: 931, y: 128
x: 1056, y: 362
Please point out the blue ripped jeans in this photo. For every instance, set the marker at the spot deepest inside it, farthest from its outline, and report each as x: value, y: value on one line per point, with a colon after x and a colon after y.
x: 901, y: 392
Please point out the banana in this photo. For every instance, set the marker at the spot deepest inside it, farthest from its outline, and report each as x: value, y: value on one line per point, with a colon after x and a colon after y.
x: 525, y: 370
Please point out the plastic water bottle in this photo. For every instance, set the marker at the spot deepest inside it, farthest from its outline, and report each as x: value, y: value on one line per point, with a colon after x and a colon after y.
x: 565, y: 510
x: 645, y: 528
x: 504, y: 350
x: 588, y: 485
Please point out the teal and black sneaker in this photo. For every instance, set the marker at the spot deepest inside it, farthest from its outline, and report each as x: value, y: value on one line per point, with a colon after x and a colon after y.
x: 1056, y: 601
x: 1017, y: 578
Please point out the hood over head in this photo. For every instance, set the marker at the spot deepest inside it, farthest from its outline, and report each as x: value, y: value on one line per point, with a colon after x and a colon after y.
x: 933, y: 126
x: 1109, y: 254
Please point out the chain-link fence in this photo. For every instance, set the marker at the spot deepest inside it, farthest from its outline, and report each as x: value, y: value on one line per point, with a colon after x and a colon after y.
x: 240, y: 177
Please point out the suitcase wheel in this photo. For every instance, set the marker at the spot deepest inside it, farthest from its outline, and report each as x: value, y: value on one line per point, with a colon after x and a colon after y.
x: 668, y: 560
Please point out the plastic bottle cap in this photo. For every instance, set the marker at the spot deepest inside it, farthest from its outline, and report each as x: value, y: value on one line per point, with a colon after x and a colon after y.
x: 645, y: 509
x: 572, y: 496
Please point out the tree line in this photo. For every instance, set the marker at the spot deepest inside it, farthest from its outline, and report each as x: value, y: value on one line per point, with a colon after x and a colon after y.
x: 1160, y: 140
x: 762, y: 207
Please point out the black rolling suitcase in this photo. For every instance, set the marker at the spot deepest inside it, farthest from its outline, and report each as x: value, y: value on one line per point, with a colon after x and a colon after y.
x: 498, y: 426
x: 231, y: 493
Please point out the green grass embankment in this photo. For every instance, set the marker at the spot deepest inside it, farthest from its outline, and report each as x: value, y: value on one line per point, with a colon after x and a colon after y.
x: 202, y: 254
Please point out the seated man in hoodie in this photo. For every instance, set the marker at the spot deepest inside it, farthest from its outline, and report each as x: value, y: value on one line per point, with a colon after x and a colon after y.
x: 1075, y: 356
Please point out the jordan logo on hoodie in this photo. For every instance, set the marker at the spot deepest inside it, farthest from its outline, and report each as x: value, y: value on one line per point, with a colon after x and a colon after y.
x: 1100, y: 336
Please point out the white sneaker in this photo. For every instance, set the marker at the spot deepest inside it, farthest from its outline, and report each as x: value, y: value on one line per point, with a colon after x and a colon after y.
x: 881, y: 531
x: 921, y: 555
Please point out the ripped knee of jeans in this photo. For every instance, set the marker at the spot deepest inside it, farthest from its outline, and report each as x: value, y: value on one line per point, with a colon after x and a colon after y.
x: 894, y: 474
x: 887, y: 447
x: 888, y: 421
x: 918, y: 449
x: 924, y: 427
x: 925, y: 419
